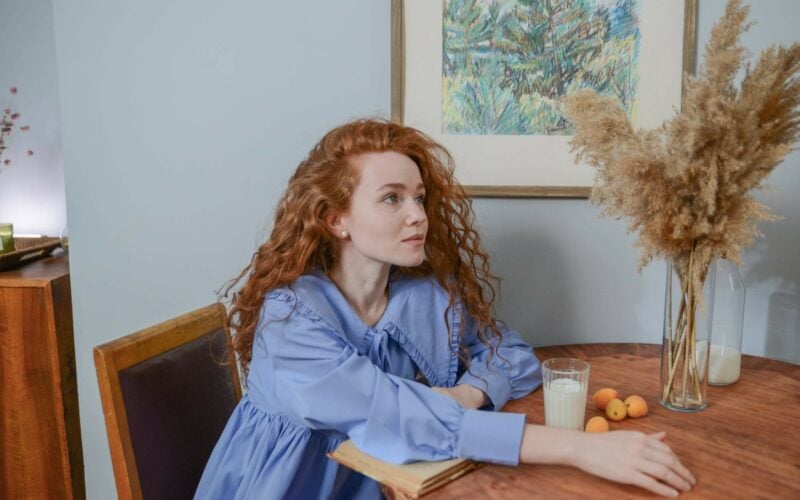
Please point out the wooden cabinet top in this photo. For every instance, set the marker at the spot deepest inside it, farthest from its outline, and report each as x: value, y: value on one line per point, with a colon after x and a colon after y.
x: 36, y: 273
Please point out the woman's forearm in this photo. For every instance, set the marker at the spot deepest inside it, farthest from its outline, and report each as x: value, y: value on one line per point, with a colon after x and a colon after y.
x: 547, y: 445
x: 466, y: 395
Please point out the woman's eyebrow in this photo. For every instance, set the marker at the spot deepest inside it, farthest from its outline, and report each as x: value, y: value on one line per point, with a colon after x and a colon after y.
x: 399, y: 185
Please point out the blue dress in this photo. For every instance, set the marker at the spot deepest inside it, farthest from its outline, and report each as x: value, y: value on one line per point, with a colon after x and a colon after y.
x: 319, y: 375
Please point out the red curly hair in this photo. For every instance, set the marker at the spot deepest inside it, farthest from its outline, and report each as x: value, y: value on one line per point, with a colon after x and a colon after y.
x: 322, y: 184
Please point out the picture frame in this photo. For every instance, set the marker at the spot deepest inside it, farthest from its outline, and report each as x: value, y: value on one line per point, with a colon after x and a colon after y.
x: 529, y: 166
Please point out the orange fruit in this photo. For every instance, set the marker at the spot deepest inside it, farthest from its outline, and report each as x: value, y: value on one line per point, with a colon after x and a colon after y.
x: 596, y: 424
x: 636, y: 406
x: 603, y: 396
x: 616, y: 410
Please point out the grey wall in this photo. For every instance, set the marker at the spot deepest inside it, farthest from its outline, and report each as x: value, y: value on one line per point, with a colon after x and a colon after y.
x: 183, y: 120
x: 182, y: 123
x: 32, y: 187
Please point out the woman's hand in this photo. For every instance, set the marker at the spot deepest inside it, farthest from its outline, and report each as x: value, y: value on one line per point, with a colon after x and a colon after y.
x: 466, y: 395
x: 634, y: 458
x: 628, y: 457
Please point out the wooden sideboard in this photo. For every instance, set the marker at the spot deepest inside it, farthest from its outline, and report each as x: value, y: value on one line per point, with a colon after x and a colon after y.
x: 40, y: 438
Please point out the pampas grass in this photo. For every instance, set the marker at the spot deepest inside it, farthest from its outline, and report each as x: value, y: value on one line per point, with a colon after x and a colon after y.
x: 687, y: 187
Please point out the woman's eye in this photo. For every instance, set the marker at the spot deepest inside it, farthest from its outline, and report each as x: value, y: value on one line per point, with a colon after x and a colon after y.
x: 390, y: 199
x: 420, y: 199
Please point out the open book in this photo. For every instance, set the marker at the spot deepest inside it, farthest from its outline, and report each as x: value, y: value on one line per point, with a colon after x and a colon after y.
x: 409, y: 480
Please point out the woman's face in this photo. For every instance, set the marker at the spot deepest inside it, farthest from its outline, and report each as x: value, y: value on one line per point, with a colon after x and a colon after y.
x: 386, y: 222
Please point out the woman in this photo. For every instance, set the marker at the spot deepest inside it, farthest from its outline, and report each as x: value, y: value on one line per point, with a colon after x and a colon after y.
x: 373, y: 278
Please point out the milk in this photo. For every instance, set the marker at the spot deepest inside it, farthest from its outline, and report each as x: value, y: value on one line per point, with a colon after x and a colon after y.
x: 724, y: 366
x: 565, y: 403
x: 724, y: 363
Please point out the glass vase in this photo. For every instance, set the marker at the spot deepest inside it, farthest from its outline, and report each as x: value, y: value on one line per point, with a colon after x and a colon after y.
x: 725, y: 358
x: 688, y: 314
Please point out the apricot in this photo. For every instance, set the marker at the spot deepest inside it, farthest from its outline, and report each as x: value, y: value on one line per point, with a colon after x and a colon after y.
x: 636, y: 406
x: 603, y: 396
x: 616, y: 410
x: 596, y: 424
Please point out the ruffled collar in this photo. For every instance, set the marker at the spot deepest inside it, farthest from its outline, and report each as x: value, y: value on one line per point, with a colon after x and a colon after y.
x: 414, y: 318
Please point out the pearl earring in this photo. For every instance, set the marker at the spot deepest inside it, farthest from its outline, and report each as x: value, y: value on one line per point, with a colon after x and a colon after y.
x: 344, y: 234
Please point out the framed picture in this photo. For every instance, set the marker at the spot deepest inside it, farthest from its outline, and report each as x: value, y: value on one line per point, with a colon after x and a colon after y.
x: 486, y: 77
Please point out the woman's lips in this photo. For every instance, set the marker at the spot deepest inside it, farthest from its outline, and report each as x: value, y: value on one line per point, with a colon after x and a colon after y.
x: 415, y: 240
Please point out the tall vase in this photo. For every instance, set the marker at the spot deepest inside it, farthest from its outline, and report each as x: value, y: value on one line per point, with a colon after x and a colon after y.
x: 687, y: 330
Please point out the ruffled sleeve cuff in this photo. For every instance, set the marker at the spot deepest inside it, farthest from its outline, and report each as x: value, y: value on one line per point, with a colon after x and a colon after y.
x: 491, y: 437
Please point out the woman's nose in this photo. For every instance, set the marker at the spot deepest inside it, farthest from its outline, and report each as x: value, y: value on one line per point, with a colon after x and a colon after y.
x: 416, y: 213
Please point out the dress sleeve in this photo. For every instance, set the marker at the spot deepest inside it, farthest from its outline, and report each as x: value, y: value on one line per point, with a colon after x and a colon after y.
x: 513, y: 371
x: 320, y: 378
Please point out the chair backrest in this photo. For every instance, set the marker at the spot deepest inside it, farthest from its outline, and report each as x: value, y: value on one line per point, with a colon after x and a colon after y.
x: 166, y: 398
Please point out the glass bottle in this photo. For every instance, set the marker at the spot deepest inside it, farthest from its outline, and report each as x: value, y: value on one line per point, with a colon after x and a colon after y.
x: 64, y: 237
x: 725, y: 360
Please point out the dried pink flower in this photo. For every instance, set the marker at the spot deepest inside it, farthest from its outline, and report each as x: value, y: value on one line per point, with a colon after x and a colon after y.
x: 7, y: 124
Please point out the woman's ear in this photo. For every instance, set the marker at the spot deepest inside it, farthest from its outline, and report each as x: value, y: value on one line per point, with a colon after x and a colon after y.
x: 336, y: 225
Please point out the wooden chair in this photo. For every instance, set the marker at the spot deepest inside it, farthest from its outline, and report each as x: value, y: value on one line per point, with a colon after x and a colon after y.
x: 166, y: 398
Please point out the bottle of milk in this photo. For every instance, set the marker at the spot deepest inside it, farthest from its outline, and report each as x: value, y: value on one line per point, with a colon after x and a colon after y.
x: 725, y: 358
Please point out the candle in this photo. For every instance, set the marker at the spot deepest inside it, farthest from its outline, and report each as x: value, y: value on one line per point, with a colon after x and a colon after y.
x: 6, y: 238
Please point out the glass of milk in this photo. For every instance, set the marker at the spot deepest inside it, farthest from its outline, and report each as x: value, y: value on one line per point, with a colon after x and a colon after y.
x: 565, y: 381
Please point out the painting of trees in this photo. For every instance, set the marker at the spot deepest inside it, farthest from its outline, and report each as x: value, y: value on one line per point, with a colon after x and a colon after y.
x: 508, y: 63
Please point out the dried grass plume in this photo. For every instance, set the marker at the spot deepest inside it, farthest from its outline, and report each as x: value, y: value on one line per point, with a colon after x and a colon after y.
x: 686, y: 187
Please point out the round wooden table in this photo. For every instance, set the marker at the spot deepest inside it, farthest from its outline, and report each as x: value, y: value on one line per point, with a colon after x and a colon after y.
x: 746, y: 444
